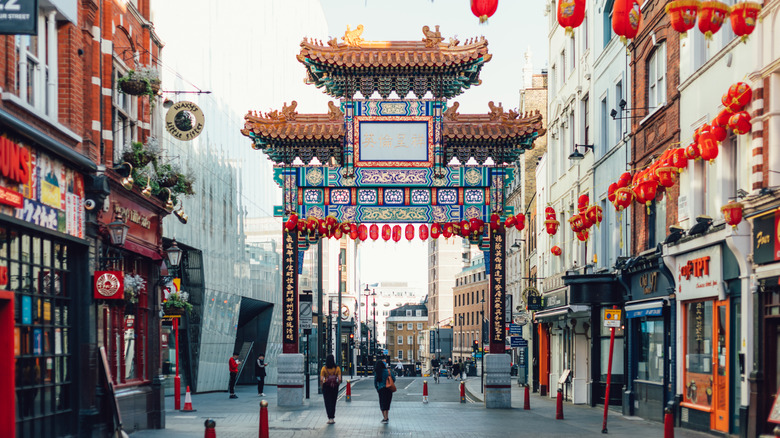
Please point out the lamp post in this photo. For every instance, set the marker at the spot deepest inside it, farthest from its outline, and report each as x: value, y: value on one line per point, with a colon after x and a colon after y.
x: 368, y: 332
x: 173, y: 253
x: 460, y: 344
x: 482, y: 346
x: 373, y: 305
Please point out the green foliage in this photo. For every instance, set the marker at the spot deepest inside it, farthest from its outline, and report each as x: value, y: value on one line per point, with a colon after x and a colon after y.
x: 144, y: 81
x: 176, y: 302
x: 161, y: 175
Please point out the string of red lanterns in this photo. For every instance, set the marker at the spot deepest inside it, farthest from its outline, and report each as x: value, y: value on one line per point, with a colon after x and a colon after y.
x: 711, y: 15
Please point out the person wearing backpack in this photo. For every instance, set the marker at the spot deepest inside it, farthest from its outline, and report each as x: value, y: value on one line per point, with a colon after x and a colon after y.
x: 384, y: 382
x: 330, y: 378
x: 260, y: 374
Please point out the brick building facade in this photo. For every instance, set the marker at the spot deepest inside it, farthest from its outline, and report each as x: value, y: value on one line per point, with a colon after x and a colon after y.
x: 406, y: 327
x: 469, y: 304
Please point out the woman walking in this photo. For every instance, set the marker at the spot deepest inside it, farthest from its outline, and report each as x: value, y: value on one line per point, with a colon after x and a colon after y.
x: 330, y: 378
x: 384, y: 381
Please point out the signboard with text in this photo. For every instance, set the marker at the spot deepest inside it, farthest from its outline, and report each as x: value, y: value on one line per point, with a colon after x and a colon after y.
x: 699, y: 273
x: 306, y: 311
x: 290, y: 291
x: 18, y: 17
x: 612, y: 318
x: 766, y: 238
x: 497, y: 291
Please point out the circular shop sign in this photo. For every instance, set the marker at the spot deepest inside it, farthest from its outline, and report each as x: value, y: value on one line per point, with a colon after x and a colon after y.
x: 184, y: 120
x: 107, y: 284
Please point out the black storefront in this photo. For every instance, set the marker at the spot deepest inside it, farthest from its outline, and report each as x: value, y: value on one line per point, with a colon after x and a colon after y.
x: 650, y: 344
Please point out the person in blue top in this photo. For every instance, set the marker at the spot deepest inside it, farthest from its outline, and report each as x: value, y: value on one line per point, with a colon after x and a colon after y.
x: 381, y: 372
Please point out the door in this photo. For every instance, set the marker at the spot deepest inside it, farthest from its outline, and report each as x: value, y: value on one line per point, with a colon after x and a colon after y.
x: 9, y: 343
x: 720, y: 386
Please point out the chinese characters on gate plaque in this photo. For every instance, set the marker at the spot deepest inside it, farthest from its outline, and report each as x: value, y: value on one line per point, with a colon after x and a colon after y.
x: 290, y: 311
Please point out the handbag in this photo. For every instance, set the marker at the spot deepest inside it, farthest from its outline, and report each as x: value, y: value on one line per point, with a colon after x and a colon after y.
x: 390, y: 384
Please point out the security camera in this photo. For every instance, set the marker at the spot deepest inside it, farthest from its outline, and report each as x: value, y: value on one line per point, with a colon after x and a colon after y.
x: 89, y: 204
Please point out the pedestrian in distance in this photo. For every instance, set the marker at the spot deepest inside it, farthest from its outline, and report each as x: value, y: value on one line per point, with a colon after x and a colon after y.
x: 449, y: 367
x: 456, y: 370
x: 330, y: 379
x: 384, y: 382
x: 233, y: 363
x: 462, y: 368
x: 260, y: 374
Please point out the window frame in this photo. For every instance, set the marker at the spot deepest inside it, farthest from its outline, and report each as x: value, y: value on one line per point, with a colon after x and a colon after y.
x: 656, y: 78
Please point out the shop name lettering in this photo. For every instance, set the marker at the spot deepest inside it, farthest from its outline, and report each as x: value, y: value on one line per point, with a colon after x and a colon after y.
x: 14, y: 161
x: 762, y: 239
x: 554, y: 301
x: 649, y: 282
x: 133, y: 216
x: 696, y: 268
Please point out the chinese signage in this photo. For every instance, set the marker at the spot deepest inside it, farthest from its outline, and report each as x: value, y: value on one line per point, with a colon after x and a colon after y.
x: 766, y: 238
x: 392, y: 141
x: 497, y: 292
x: 109, y: 285
x: 699, y: 273
x: 18, y: 17
x: 290, y: 291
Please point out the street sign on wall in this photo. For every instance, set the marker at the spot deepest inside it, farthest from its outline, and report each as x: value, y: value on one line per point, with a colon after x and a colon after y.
x: 517, y: 342
x: 306, y: 312
x: 612, y: 318
x: 18, y: 17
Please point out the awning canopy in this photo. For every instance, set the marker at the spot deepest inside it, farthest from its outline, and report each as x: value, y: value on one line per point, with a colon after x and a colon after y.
x: 645, y: 308
x: 560, y: 313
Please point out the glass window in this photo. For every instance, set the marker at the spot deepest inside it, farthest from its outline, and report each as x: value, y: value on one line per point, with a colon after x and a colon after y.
x: 607, y: 21
x: 410, y: 326
x: 698, y: 353
x: 419, y: 326
x: 650, y: 364
x: 125, y: 114
x: 400, y: 354
x: 410, y: 340
x: 400, y: 340
x: 33, y: 68
x: 400, y: 326
x: 656, y: 78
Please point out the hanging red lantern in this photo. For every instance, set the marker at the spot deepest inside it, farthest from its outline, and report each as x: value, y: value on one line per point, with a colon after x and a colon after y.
x: 570, y: 14
x: 396, y: 233
x: 708, y: 147
x: 623, y: 198
x: 373, y: 231
x: 510, y: 221
x: 409, y: 232
x: 723, y: 117
x: 582, y: 203
x: 647, y: 187
x: 586, y: 222
x: 611, y: 192
x: 711, y: 17
x: 626, y: 18
x: 337, y: 233
x: 484, y: 9
x: 743, y: 18
x: 435, y: 231
x: 740, y: 123
x: 624, y: 180
x: 583, y: 235
x: 556, y: 250
x: 362, y: 232
x: 423, y: 232
x: 322, y: 229
x: 476, y: 225
x: 732, y: 212
x: 740, y: 95
x: 679, y: 159
x: 692, y: 152
x: 576, y: 224
x: 386, y: 232
x: 595, y: 214
x: 666, y: 175
x: 683, y: 14
x: 549, y: 213
x: 447, y: 230
x: 495, y: 221
x: 353, y: 233
x: 291, y: 223
x: 551, y: 225
x: 718, y: 132
x: 464, y: 228
x: 520, y: 222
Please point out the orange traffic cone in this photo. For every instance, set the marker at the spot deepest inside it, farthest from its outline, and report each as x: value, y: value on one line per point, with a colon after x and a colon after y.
x: 188, y: 402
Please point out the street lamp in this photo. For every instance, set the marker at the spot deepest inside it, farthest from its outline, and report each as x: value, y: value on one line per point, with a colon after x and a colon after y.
x: 460, y: 319
x: 482, y: 344
x: 373, y: 294
x: 117, y: 230
x: 368, y: 332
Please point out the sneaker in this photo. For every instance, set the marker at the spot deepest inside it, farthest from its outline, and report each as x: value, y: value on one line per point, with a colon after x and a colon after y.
x: 262, y: 394
x: 233, y: 396
x: 383, y: 421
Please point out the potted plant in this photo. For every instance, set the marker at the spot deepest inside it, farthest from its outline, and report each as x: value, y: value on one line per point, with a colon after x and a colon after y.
x: 177, y: 304
x: 134, y: 285
x: 143, y: 81
x: 139, y: 155
x: 168, y: 175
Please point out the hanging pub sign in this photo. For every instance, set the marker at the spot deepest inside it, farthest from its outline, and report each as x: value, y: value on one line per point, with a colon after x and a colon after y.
x: 290, y: 292
x: 184, y: 120
x: 18, y: 17
x: 109, y: 285
x: 497, y: 292
x: 533, y: 298
x: 766, y: 244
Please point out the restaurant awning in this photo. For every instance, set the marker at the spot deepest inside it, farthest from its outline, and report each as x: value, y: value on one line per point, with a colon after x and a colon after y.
x: 560, y: 313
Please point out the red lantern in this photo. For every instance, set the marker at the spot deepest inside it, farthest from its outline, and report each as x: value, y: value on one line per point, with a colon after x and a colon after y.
x: 423, y: 232
x: 396, y: 233
x: 623, y: 198
x: 386, y: 232
x: 373, y: 232
x: 743, y: 18
x: 292, y: 222
x: 556, y: 250
x: 611, y: 192
x: 551, y: 225
x: 732, y: 212
x: 692, y: 151
x: 337, y: 234
x: 708, y: 147
x: 740, y: 95
x: 666, y: 175
x: 511, y: 221
x: 495, y: 221
x: 626, y: 18
x: 722, y: 119
x: 435, y: 231
x: 484, y: 9
x: 718, y: 132
x: 595, y: 214
x: 711, y: 17
x: 624, y: 180
x: 464, y: 228
x: 683, y: 14
x: 678, y: 159
x: 520, y: 222
x: 576, y: 223
x: 583, y: 235
x: 582, y: 203
x: 549, y: 213
x: 362, y: 232
x: 409, y: 232
x: 571, y: 13
x: 448, y: 230
x: 740, y: 123
x: 646, y: 190
x: 353, y: 233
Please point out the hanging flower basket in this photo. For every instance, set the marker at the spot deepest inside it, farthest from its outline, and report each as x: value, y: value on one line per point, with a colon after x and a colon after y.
x: 134, y: 87
x: 174, y: 311
x: 169, y: 181
x: 143, y: 81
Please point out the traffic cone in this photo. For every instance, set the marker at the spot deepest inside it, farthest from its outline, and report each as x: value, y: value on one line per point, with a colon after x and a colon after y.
x: 263, y: 420
x: 188, y: 402
x: 668, y: 423
x: 425, y: 391
x: 462, y: 392
x: 349, y: 391
x: 559, y: 406
x: 210, y: 428
x: 527, y: 400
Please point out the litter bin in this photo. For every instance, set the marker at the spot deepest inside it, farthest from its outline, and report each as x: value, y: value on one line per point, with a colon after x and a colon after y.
x: 471, y: 370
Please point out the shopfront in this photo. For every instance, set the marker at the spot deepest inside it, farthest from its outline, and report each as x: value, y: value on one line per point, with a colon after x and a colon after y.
x: 43, y: 273
x: 708, y: 304
x: 765, y: 379
x: 649, y: 313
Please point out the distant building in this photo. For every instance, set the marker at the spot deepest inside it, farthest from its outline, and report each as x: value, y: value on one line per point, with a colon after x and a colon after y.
x: 469, y: 300
x: 405, y: 333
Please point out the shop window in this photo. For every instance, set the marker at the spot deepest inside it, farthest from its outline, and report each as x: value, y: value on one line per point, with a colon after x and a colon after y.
x: 650, y: 365
x: 697, y: 386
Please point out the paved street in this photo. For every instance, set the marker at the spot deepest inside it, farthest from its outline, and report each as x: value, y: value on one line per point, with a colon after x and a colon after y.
x: 444, y: 416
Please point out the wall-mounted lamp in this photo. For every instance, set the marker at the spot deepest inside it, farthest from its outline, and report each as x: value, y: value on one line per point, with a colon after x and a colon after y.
x: 167, y: 103
x: 516, y: 246
x: 577, y: 155
x: 181, y: 215
x: 622, y: 104
x: 173, y: 253
x: 117, y: 230
x: 125, y: 170
x: 169, y: 203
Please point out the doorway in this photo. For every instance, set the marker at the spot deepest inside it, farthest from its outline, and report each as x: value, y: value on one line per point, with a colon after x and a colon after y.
x: 720, y: 387
x: 8, y: 345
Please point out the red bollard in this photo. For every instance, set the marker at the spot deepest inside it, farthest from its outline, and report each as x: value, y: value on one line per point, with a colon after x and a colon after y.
x: 263, y: 419
x: 527, y: 400
x: 211, y: 431
x: 177, y: 392
x: 425, y: 391
x: 668, y: 423
x: 349, y: 391
x: 462, y: 392
x: 559, y: 405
